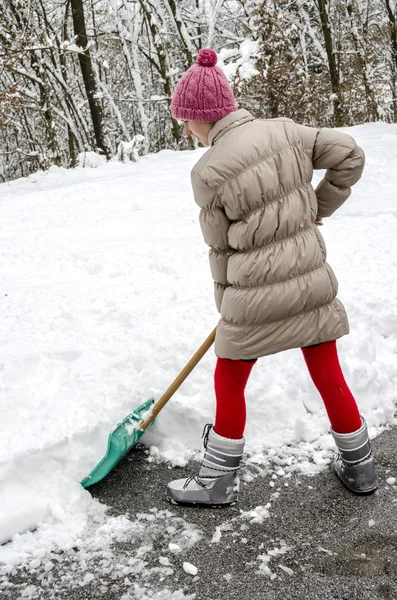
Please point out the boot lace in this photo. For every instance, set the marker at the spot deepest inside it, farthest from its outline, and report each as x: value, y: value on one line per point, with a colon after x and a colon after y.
x: 205, y: 434
x: 195, y: 477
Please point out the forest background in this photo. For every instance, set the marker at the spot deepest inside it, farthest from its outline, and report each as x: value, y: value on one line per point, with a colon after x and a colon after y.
x: 97, y: 75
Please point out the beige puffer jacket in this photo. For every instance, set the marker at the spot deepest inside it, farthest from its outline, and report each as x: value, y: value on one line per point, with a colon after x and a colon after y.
x: 273, y: 286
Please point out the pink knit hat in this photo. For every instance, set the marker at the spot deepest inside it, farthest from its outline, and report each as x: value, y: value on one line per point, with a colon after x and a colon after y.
x: 203, y: 93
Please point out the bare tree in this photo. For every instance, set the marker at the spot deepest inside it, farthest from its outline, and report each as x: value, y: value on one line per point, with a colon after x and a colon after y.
x: 391, y: 9
x: 359, y: 22
x: 324, y: 8
x: 89, y: 74
x: 94, y: 95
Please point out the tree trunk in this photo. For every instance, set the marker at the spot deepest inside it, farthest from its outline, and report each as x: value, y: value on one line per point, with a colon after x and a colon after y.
x: 46, y: 110
x: 372, y: 107
x: 89, y: 79
x: 393, y: 39
x: 199, y: 30
x: 161, y: 52
x: 186, y: 42
x: 323, y: 6
x: 72, y: 141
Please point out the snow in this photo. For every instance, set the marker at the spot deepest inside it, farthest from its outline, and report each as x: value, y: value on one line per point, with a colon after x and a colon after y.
x: 115, y: 568
x: 257, y: 515
x: 140, y: 594
x: 217, y: 535
x: 189, y: 568
x: 91, y: 159
x: 130, y: 151
x: 73, y: 47
x: 244, y: 60
x: 326, y: 551
x: 265, y: 560
x: 286, y: 569
x: 105, y: 295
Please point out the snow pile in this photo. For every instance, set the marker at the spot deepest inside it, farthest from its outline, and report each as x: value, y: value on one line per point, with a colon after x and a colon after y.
x: 140, y: 593
x: 91, y: 159
x: 270, y: 555
x: 216, y: 538
x: 95, y: 564
x: 257, y: 515
x: 106, y: 293
x: 131, y: 151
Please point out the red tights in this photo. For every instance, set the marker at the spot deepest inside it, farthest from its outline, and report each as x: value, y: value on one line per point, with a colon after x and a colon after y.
x: 231, y: 377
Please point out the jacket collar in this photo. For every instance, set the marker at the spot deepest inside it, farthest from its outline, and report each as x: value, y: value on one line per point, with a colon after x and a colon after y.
x: 229, y: 122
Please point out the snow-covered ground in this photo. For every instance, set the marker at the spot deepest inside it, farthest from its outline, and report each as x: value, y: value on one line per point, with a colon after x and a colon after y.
x: 105, y: 293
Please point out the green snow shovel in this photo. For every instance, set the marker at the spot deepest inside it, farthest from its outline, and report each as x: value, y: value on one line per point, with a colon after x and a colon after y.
x: 127, y: 433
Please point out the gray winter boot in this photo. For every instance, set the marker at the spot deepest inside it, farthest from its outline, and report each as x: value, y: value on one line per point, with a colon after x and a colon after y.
x: 355, y: 464
x: 216, y: 482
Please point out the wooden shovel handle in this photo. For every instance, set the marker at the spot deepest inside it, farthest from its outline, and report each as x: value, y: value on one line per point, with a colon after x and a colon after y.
x: 179, y: 380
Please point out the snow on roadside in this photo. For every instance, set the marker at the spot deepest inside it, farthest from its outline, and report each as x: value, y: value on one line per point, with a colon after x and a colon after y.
x: 139, y: 593
x: 106, y: 293
x: 94, y: 563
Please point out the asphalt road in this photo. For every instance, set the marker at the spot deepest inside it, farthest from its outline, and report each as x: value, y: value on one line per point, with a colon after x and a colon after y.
x: 310, y: 539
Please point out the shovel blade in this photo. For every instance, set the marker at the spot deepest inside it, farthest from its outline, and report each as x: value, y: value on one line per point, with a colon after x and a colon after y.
x: 125, y: 435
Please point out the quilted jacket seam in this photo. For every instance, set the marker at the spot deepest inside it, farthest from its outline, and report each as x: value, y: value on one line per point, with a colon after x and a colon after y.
x: 260, y: 160
x: 267, y: 285
x: 298, y: 314
x: 266, y: 246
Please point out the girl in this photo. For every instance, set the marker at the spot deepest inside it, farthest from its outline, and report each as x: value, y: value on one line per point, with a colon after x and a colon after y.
x: 273, y: 286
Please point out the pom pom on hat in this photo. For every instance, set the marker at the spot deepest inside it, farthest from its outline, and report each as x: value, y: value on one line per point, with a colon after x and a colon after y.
x: 207, y: 58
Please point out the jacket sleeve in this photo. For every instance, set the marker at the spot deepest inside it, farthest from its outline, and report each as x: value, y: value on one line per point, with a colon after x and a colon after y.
x: 343, y: 160
x: 214, y: 226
